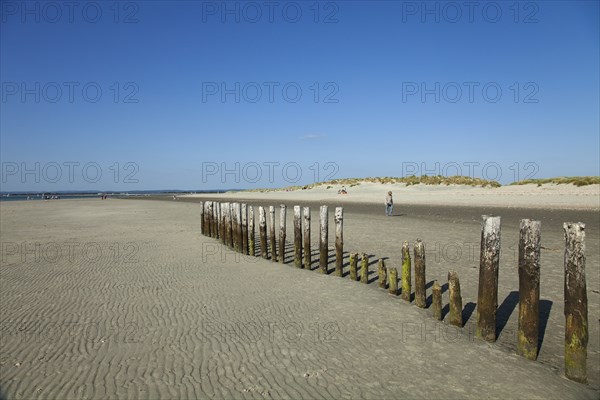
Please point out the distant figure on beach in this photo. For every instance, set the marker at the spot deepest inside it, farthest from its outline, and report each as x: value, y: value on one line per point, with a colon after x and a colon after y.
x: 389, y: 204
x: 342, y: 190
x: 174, y: 197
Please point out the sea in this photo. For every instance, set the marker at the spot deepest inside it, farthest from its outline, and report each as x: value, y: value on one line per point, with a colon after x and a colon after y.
x: 71, y: 195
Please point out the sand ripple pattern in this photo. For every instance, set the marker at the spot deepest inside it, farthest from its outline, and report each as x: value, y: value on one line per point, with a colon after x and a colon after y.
x: 179, y: 322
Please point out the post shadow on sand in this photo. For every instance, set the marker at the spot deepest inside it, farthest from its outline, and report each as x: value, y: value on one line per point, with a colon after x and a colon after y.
x: 468, y: 311
x: 505, y: 310
x: 429, y: 298
x: 545, y: 307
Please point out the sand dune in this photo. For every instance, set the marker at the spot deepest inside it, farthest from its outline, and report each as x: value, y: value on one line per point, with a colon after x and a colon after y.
x: 518, y: 196
x: 137, y: 304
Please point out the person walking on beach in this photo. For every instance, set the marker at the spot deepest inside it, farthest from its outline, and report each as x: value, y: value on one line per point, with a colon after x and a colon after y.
x: 389, y: 204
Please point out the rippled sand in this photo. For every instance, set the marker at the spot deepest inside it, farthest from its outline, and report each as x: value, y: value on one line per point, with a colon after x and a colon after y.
x: 125, y: 299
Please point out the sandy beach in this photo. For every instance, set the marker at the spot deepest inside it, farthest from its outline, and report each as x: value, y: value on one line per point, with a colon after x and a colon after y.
x: 126, y: 299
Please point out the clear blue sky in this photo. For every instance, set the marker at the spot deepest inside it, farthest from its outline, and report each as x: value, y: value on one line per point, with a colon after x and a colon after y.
x: 369, y: 116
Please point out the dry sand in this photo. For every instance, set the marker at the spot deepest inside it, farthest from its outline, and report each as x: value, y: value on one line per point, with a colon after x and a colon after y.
x: 126, y: 299
x: 512, y: 196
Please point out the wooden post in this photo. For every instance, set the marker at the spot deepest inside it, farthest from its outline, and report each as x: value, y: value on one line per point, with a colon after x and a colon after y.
x: 213, y: 218
x: 217, y: 220
x: 236, y: 220
x: 420, y: 292
x: 406, y: 273
x: 382, y: 273
x: 244, y: 209
x: 272, y: 233
x: 282, y: 226
x: 202, y: 218
x: 231, y: 225
x: 262, y: 229
x: 251, y: 235
x: 223, y: 223
x: 436, y: 301
x: 364, y: 268
x: 339, y: 241
x: 297, y: 237
x: 211, y: 223
x: 353, y: 266
x: 324, y: 242
x: 529, y: 288
x: 393, y: 281
x: 487, y: 298
x: 455, y: 299
x: 307, y: 249
x: 576, y: 303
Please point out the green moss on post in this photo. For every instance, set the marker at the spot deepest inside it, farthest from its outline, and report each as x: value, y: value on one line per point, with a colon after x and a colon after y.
x: 487, y: 297
x: 576, y: 303
x: 364, y: 268
x: 382, y: 273
x: 455, y: 317
x: 420, y: 291
x: 393, y: 281
x: 436, y: 301
x: 529, y: 288
x: 406, y: 267
x: 353, y: 266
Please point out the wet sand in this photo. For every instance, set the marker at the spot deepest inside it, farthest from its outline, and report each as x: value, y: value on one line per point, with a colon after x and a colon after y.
x: 137, y: 304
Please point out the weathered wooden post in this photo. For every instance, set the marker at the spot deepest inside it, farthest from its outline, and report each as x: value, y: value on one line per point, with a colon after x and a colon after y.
x: 307, y: 249
x: 262, y: 228
x: 211, y: 224
x: 364, y: 268
x: 236, y: 220
x: 213, y: 217
x: 226, y: 209
x: 251, y: 234
x: 529, y: 288
x: 297, y: 237
x: 353, y: 266
x: 206, y: 219
x: 225, y: 219
x: 576, y: 303
x: 420, y: 291
x: 231, y: 225
x: 217, y: 220
x: 339, y: 241
x: 382, y: 274
x: 282, y: 226
x: 436, y: 301
x: 272, y: 233
x: 487, y: 298
x: 455, y: 317
x: 324, y: 242
x: 223, y: 224
x: 393, y: 281
x: 202, y: 218
x: 244, y: 209
x: 406, y: 273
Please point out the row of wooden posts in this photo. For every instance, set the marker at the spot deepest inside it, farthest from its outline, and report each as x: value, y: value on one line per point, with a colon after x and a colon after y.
x: 234, y: 225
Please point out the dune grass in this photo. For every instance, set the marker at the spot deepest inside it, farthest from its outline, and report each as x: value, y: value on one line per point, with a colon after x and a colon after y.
x: 408, y: 180
x: 562, y: 180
